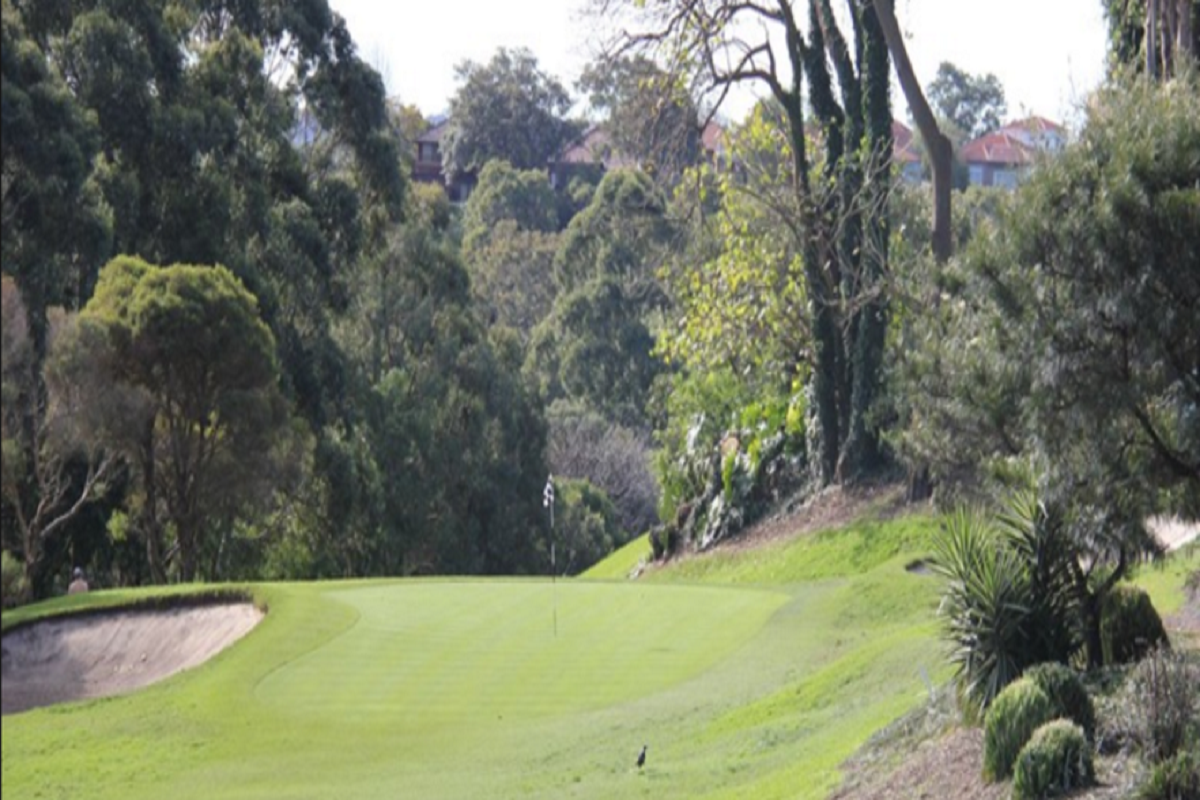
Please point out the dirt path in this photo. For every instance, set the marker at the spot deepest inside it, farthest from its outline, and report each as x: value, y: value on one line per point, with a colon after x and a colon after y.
x: 100, y: 655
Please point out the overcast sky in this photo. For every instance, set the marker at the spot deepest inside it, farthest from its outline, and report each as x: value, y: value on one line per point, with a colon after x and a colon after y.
x: 1047, y: 53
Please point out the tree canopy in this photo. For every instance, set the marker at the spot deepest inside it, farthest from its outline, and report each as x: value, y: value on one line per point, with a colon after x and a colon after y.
x: 506, y: 109
x: 975, y: 104
x: 188, y: 342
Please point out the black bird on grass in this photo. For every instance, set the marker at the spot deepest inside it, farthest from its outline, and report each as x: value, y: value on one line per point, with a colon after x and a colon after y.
x: 641, y: 762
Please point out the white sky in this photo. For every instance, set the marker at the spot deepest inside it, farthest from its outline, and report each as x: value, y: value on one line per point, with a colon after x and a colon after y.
x: 1048, y: 54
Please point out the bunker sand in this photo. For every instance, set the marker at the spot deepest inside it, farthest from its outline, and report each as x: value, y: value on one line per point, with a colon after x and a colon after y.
x: 58, y: 660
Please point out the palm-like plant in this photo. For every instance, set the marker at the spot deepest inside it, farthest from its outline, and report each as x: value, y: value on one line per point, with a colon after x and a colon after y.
x: 985, y: 607
x: 1037, y: 533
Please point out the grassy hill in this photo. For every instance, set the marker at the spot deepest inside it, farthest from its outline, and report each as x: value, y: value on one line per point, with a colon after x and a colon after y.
x: 749, y: 672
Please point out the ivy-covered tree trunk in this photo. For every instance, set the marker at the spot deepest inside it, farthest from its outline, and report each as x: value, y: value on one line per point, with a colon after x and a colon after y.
x: 861, y: 453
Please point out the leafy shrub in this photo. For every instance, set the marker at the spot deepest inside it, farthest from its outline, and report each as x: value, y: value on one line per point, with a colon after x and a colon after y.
x: 1015, y: 714
x: 1064, y: 688
x: 1056, y: 759
x: 586, y: 527
x: 1129, y: 626
x: 1166, y: 692
x: 984, y: 607
x: 12, y: 581
x: 1175, y: 779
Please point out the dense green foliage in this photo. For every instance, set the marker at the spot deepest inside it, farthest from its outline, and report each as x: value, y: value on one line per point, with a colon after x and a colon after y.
x: 1176, y: 778
x: 974, y: 104
x: 398, y: 436
x: 650, y: 117
x: 1007, y: 603
x: 1130, y: 627
x: 1066, y: 691
x: 1011, y: 720
x: 202, y: 410
x: 506, y: 109
x: 1057, y: 760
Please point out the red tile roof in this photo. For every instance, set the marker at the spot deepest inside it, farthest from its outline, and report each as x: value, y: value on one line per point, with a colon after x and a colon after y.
x: 1034, y: 125
x: 997, y: 148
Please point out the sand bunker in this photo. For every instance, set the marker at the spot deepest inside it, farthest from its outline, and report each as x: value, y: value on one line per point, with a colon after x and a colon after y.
x: 101, y: 655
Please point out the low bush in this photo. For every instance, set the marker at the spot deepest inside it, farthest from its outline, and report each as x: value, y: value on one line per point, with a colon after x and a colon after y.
x: 1056, y: 760
x: 1166, y: 694
x: 1064, y: 688
x: 1129, y: 626
x: 1175, y: 779
x: 1014, y: 715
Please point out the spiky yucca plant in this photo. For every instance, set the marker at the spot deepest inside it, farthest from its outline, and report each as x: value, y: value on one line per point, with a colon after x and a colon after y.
x: 984, y: 607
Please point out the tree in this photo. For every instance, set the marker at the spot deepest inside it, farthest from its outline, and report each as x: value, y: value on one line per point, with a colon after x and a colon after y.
x: 974, y: 103
x: 615, y: 459
x: 504, y: 193
x: 50, y: 470
x: 1158, y: 37
x: 738, y: 296
x: 54, y: 226
x: 507, y: 109
x: 442, y: 469
x: 649, y: 114
x: 596, y: 345
x: 937, y: 146
x: 189, y: 342
x: 844, y: 248
x: 1072, y: 340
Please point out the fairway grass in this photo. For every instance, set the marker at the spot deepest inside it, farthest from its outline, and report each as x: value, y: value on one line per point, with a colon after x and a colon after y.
x: 744, y: 680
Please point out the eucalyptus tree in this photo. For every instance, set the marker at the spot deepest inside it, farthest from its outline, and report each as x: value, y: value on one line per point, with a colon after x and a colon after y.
x: 204, y: 417
x: 510, y: 109
x: 839, y: 178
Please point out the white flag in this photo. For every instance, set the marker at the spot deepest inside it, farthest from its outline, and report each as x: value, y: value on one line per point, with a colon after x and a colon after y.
x: 548, y: 492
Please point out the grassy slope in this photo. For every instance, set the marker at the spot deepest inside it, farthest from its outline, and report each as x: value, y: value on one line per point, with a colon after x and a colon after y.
x: 622, y: 561
x: 751, y: 674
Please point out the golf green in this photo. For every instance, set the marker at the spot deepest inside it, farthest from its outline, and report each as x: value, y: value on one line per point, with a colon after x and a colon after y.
x: 447, y: 653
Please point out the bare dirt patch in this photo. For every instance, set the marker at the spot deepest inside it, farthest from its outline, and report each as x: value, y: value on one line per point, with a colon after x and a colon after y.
x: 833, y: 507
x: 73, y: 658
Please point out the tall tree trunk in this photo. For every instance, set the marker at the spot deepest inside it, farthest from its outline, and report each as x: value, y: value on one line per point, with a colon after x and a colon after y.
x: 861, y: 453
x: 1152, y: 38
x: 148, y: 525
x: 936, y: 142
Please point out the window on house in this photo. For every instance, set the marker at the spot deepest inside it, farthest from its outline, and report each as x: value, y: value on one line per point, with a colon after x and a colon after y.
x: 1005, y: 177
x: 975, y: 174
x: 427, y: 151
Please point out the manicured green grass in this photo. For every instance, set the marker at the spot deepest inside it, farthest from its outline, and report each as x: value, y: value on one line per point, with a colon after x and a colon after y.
x: 745, y: 678
x: 1164, y: 580
x: 622, y: 561
x: 839, y: 552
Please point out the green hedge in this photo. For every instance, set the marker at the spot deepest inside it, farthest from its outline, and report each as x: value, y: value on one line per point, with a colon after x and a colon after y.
x: 1014, y: 715
x: 1064, y: 688
x: 1129, y: 626
x: 1056, y: 760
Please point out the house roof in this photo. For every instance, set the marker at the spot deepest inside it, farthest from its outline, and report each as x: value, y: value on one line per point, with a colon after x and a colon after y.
x: 435, y: 132
x: 997, y: 148
x: 1034, y: 125
x: 904, y: 149
x: 712, y: 138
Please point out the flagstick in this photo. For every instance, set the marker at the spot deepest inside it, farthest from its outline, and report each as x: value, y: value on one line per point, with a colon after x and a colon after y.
x: 554, y: 578
x: 548, y: 501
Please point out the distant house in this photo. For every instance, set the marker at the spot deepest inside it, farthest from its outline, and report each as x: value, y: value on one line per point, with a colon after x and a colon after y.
x: 1003, y: 157
x: 427, y: 168
x: 906, y: 155
x: 595, y: 153
x: 592, y: 154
